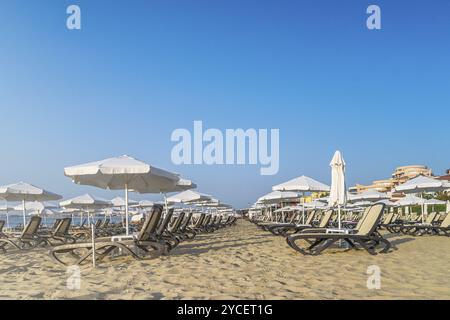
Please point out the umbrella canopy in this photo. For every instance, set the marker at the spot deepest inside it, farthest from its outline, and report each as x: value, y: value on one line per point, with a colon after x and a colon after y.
x: 302, y: 184
x: 120, y: 173
x: 338, y: 192
x: 120, y: 202
x: 44, y: 212
x: 189, y: 196
x: 144, y: 204
x: 123, y: 173
x: 85, y: 201
x: 409, y: 200
x: 278, y: 197
x: 23, y: 191
x: 181, y: 185
x: 37, y: 206
x: 433, y: 202
x: 388, y: 203
x: 5, y: 208
x: 368, y: 195
x: 422, y: 184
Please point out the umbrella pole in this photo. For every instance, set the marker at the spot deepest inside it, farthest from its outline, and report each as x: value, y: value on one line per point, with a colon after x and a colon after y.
x: 339, y: 216
x: 7, y: 216
x: 303, y: 209
x: 93, y: 244
x: 165, y: 202
x: 126, y: 209
x: 24, y: 214
x: 421, y: 207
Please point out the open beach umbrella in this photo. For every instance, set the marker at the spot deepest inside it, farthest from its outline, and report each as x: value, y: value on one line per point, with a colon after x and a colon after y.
x: 422, y: 184
x: 37, y: 206
x: 181, y: 185
x: 368, y: 195
x: 278, y: 197
x: 188, y: 196
x: 302, y: 184
x: 23, y: 191
x: 85, y: 202
x: 338, y: 192
x: 120, y: 202
x: 5, y: 208
x: 123, y: 173
x: 143, y: 204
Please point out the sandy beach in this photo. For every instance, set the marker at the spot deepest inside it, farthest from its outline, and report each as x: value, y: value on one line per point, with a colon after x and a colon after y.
x: 241, y: 262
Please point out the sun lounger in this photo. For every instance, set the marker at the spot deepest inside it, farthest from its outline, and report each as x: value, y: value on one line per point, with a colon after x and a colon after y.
x: 324, y: 222
x: 2, y: 225
x: 282, y: 228
x: 29, y: 238
x: 61, y: 233
x: 366, y: 236
x: 145, y: 242
x: 429, y: 227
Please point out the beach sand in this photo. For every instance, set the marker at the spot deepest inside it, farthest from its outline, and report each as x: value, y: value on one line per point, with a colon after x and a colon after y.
x: 241, y: 262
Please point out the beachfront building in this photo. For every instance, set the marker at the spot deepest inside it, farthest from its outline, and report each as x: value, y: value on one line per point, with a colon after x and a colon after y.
x: 399, y: 176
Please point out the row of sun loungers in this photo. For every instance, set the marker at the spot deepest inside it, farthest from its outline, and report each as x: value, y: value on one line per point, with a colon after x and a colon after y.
x: 318, y: 234
x: 433, y: 225
x: 318, y: 229
x: 157, y: 234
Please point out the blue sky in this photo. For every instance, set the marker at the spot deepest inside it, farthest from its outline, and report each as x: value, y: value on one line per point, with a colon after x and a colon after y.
x: 140, y: 69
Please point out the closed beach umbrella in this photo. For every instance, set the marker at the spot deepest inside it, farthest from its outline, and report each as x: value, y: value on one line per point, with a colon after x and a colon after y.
x: 302, y: 184
x: 123, y: 173
x: 338, y: 192
x: 422, y: 184
x: 26, y: 192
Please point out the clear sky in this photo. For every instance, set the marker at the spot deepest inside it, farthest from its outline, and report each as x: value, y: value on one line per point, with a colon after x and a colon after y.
x: 137, y: 70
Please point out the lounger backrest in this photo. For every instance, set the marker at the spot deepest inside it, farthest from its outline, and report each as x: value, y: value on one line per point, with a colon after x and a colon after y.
x: 2, y: 224
x: 105, y: 223
x: 206, y: 220
x: 32, y: 227
x: 446, y: 222
x: 199, y: 222
x: 186, y: 221
x: 371, y: 221
x: 326, y: 219
x: 56, y: 224
x: 363, y: 217
x: 294, y: 217
x: 98, y: 223
x: 388, y: 218
x: 177, y: 223
x: 151, y: 223
x: 430, y: 218
x: 310, y: 217
x: 165, y: 222
x: 63, y: 227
